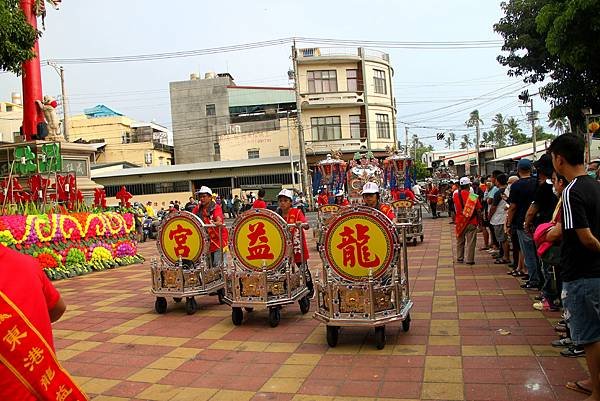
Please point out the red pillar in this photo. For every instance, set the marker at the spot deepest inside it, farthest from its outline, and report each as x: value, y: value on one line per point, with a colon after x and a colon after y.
x: 32, y: 79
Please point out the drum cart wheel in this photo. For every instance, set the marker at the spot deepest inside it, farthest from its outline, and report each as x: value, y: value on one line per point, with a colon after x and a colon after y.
x: 415, y: 241
x: 421, y: 238
x: 177, y: 300
x: 304, y: 303
x: 221, y: 295
x: 274, y: 316
x: 190, y: 305
x: 237, y: 316
x: 406, y: 323
x: 380, y: 337
x: 248, y: 309
x: 333, y: 333
x: 160, y: 305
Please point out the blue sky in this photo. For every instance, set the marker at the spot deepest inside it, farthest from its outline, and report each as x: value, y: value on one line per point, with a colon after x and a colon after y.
x: 424, y: 80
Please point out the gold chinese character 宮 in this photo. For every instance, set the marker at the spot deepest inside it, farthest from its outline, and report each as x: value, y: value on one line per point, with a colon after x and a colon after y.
x: 13, y: 337
x: 47, y: 378
x: 35, y: 356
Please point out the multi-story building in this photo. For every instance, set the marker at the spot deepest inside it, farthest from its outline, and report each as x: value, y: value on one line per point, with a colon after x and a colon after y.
x: 11, y: 118
x: 214, y: 120
x: 346, y: 101
x: 120, y: 138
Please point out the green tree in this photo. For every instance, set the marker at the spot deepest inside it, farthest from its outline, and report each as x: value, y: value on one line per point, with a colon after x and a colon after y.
x: 448, y: 141
x: 500, y: 131
x: 452, y: 136
x: 488, y: 138
x: 17, y: 37
x: 422, y: 171
x: 466, y: 141
x: 559, y: 124
x: 541, y: 135
x: 554, y: 40
x: 515, y: 133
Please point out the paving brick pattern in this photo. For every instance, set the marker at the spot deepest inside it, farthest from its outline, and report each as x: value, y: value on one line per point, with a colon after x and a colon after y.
x: 118, y: 348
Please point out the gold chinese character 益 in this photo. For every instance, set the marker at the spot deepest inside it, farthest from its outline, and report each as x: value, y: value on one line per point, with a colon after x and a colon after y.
x: 4, y: 316
x: 47, y: 378
x: 35, y: 356
x: 63, y: 393
x: 258, y: 247
x: 13, y: 337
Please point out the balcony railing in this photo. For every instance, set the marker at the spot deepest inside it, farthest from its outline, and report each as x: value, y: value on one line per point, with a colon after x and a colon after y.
x: 316, y: 52
x: 350, y: 98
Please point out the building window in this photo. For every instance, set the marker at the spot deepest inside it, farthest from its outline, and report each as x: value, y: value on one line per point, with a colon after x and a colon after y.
x: 351, y: 80
x: 217, y: 148
x: 284, y: 152
x: 379, y: 79
x: 253, y: 153
x: 9, y: 108
x: 322, y: 81
x: 383, y: 126
x: 355, y: 127
x: 326, y: 128
x: 211, y: 110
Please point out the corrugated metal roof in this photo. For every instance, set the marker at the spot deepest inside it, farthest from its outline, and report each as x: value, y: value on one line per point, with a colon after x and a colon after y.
x: 250, y: 96
x: 176, y: 168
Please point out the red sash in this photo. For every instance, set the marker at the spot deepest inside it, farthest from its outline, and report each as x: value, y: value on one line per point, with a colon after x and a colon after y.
x: 462, y: 219
x: 28, y: 356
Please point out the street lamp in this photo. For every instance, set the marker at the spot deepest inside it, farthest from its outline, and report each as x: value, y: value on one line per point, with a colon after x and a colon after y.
x: 61, y: 72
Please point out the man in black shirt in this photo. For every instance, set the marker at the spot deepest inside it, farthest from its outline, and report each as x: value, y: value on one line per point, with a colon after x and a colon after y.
x: 522, y: 194
x: 580, y: 251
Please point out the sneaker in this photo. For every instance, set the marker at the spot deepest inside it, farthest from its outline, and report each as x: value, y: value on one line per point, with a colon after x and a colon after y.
x: 560, y: 329
x: 563, y: 342
x: 573, y: 352
x: 545, y: 305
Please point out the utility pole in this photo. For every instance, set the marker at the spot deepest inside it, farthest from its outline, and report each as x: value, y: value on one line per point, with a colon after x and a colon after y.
x: 406, y: 141
x: 290, y: 150
x: 415, y: 141
x: 302, y: 145
x: 532, y: 118
x: 61, y: 72
x: 477, y: 140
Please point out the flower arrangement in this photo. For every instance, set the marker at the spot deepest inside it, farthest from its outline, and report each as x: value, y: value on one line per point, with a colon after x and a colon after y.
x: 69, y: 244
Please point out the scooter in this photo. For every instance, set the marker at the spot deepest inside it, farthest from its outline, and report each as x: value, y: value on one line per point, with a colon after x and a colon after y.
x: 150, y: 228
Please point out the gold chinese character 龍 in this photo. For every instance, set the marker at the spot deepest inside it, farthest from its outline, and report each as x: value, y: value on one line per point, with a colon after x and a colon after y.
x: 47, y: 378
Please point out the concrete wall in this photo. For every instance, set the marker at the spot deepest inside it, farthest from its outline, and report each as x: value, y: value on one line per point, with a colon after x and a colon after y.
x: 195, y: 133
x: 10, y: 121
x: 109, y: 129
x: 235, y: 146
x: 134, y: 153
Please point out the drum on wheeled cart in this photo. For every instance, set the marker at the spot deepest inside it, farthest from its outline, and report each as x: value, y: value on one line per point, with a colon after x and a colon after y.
x: 362, y: 283
x: 410, y: 213
x: 263, y: 273
x: 185, y: 269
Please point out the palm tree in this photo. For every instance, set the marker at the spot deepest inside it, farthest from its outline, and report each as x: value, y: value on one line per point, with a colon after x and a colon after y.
x: 448, y: 142
x: 453, y: 138
x: 466, y: 141
x: 559, y: 124
x: 500, y: 130
x: 515, y: 133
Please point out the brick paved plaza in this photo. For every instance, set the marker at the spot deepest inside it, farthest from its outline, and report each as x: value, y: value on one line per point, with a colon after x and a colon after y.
x: 118, y: 348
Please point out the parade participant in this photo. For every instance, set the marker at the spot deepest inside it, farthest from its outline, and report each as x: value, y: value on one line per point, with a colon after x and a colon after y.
x: 371, y: 198
x: 467, y: 208
x: 150, y: 210
x: 211, y: 213
x: 340, y: 200
x: 190, y: 205
x: 432, y: 197
x: 295, y: 216
x: 260, y: 202
x: 29, y: 303
x: 323, y: 198
x: 402, y: 194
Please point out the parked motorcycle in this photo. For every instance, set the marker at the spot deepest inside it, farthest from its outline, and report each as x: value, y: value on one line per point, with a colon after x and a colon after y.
x: 150, y: 228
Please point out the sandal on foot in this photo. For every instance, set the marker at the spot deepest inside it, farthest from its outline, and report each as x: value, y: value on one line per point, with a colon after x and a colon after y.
x: 576, y: 386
